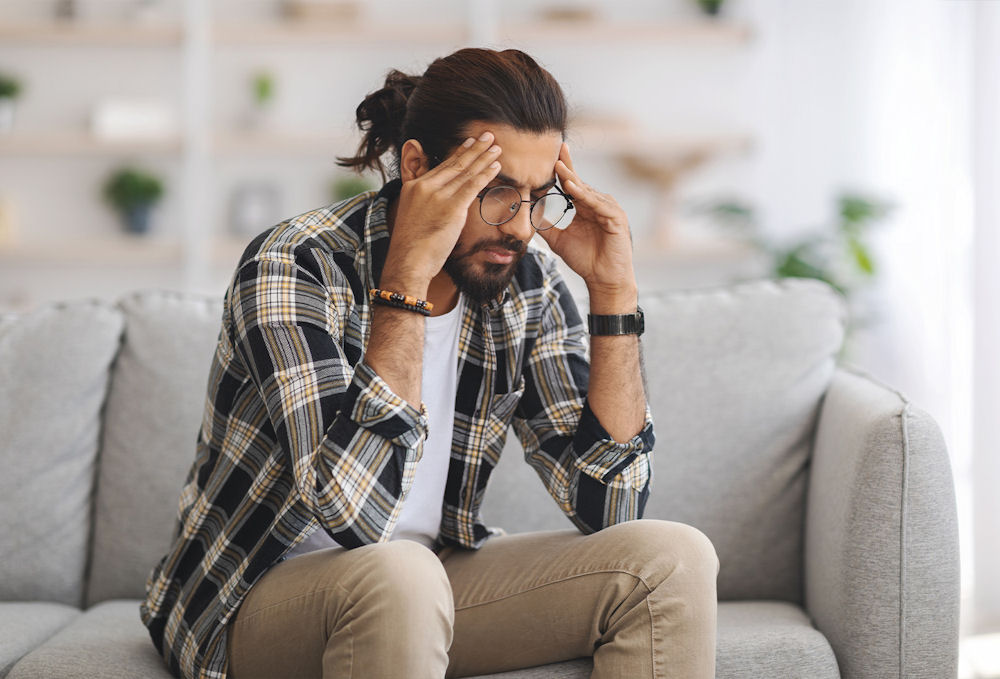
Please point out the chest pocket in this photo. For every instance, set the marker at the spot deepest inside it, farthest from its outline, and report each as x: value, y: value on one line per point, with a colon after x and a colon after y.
x: 502, y: 408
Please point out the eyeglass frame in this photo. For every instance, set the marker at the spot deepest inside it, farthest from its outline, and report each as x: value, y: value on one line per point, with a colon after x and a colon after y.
x: 558, y: 192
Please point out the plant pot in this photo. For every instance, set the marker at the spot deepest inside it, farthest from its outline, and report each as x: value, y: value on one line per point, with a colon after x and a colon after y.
x: 6, y: 114
x: 137, y: 218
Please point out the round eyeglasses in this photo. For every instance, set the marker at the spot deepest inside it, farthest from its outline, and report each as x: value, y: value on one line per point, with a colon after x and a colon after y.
x: 499, y: 204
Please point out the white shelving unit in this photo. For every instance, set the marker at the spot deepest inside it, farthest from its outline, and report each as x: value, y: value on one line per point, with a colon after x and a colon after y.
x: 202, y: 252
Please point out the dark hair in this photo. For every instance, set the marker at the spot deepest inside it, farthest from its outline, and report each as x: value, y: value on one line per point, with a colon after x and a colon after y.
x: 472, y: 84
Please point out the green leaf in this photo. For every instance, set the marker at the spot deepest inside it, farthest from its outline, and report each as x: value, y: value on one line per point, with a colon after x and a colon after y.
x: 861, y: 256
x: 855, y: 209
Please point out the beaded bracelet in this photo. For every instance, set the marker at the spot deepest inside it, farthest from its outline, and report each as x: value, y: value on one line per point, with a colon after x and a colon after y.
x: 400, y: 301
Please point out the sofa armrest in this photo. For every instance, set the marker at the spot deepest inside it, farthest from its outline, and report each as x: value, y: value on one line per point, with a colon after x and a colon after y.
x: 881, y: 542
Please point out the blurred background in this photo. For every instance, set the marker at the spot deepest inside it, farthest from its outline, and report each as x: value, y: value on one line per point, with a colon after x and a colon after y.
x: 143, y: 143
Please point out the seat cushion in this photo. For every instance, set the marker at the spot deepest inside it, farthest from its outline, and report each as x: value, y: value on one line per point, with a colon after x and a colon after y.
x: 54, y: 366
x: 755, y: 639
x: 735, y: 378
x: 771, y: 639
x: 152, y: 418
x: 25, y: 625
x: 107, y: 641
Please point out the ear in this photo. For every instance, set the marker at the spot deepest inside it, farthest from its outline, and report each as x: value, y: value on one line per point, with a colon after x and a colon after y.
x: 413, y: 161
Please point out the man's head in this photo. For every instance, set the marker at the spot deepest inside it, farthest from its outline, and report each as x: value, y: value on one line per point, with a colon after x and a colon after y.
x: 422, y: 119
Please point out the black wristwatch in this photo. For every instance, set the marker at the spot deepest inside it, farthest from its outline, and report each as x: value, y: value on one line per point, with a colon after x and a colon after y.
x: 618, y: 324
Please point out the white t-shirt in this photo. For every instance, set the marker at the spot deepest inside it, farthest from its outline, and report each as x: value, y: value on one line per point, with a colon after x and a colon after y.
x: 420, y: 518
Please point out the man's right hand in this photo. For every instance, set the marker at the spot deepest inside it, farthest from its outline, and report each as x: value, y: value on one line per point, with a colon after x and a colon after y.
x: 433, y: 207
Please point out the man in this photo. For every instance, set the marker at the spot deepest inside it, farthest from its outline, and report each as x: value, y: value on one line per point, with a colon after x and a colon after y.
x: 372, y: 356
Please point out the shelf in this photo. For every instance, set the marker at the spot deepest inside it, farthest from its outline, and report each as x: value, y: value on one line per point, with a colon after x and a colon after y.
x: 82, y: 144
x: 623, y: 141
x: 92, y: 35
x: 597, y: 32
x: 280, y: 143
x: 302, y: 34
x: 116, y: 250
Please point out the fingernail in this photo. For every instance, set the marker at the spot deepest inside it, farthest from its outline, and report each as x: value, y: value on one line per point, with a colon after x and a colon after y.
x: 485, y: 136
x: 495, y: 164
x: 494, y: 149
x: 468, y: 142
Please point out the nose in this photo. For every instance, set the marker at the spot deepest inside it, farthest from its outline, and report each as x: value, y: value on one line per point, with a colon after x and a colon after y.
x: 520, y: 226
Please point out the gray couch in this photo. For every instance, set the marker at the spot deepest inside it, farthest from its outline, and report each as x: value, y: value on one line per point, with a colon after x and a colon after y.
x: 828, y: 496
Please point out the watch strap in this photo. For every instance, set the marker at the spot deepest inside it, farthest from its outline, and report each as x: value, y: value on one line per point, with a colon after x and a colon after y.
x: 617, y: 324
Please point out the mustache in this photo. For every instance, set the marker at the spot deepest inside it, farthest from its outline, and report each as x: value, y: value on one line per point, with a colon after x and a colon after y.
x: 510, y: 243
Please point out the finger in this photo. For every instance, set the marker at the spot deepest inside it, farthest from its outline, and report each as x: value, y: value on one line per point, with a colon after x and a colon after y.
x: 565, y: 157
x: 473, y: 171
x: 466, y: 191
x: 567, y: 174
x: 591, y: 199
x: 460, y: 160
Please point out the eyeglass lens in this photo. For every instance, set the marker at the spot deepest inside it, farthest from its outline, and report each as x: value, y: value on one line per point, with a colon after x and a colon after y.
x: 501, y: 203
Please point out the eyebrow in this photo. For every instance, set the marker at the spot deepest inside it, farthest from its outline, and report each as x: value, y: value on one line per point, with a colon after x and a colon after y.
x: 520, y: 185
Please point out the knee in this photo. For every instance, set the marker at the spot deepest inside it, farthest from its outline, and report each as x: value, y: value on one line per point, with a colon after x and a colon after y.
x: 404, y: 572
x: 668, y: 549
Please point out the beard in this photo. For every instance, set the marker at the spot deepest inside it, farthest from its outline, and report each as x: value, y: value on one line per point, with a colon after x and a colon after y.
x: 486, y: 284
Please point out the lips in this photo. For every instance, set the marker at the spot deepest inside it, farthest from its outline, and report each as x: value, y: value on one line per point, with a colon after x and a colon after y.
x: 499, y: 255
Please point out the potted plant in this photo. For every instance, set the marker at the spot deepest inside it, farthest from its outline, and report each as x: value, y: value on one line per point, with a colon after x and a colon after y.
x: 710, y: 7
x: 10, y: 89
x: 839, y: 254
x: 133, y: 192
x: 262, y: 92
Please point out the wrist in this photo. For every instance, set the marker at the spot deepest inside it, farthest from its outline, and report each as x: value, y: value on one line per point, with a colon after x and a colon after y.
x: 616, y: 299
x: 396, y: 279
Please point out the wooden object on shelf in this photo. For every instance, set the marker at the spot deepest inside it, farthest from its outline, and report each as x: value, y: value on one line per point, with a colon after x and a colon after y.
x: 664, y: 165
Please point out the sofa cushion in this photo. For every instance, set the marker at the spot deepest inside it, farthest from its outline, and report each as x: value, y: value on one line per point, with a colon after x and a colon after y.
x: 755, y: 639
x: 25, y: 625
x: 107, y: 641
x: 153, y: 414
x: 54, y: 365
x: 735, y: 379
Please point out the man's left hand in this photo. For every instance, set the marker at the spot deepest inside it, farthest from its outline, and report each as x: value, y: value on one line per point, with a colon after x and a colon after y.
x: 597, y: 244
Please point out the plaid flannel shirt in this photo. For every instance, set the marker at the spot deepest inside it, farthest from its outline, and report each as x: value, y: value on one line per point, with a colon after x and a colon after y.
x: 299, y: 432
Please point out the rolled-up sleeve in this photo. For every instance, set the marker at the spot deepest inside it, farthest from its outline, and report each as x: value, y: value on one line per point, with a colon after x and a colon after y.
x: 595, y: 480
x: 352, y: 443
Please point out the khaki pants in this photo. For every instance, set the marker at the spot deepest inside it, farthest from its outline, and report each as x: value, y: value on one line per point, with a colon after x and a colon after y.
x: 639, y: 597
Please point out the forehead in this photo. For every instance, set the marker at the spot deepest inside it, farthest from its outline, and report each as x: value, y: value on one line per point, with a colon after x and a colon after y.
x: 526, y: 157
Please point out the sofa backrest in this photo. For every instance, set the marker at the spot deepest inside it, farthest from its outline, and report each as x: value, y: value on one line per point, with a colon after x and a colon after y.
x: 151, y: 420
x: 735, y: 379
x: 54, y: 366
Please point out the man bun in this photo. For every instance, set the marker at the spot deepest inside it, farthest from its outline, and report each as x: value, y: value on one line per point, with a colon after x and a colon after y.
x: 380, y: 117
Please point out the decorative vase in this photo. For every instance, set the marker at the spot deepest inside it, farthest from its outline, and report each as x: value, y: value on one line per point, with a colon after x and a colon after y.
x: 137, y: 218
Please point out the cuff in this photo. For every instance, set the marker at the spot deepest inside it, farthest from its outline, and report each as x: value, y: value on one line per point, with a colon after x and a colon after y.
x: 600, y: 456
x: 380, y: 410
